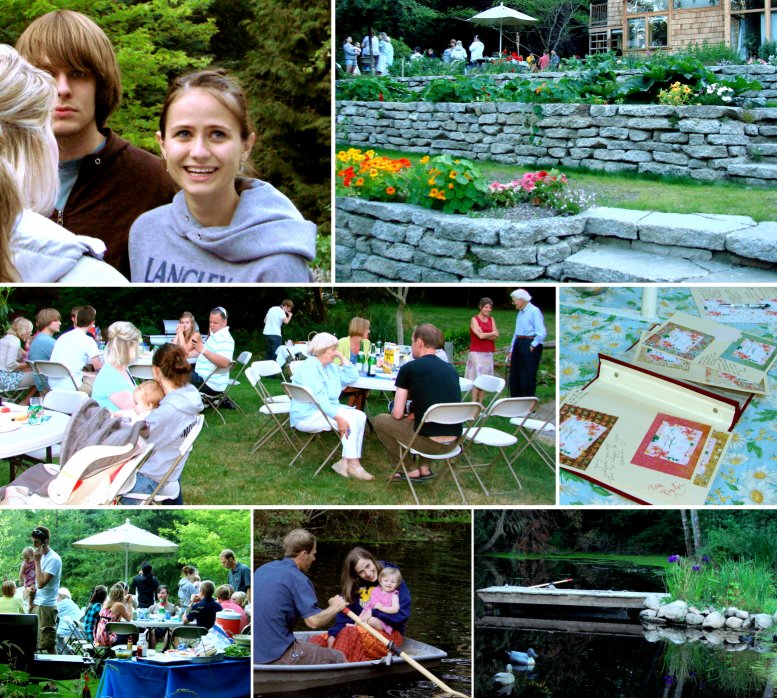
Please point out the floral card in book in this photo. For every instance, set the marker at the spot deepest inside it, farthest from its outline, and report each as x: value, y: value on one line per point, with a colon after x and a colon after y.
x: 707, y: 352
x: 646, y: 436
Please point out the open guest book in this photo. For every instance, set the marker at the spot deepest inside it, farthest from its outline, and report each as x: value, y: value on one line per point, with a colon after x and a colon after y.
x: 706, y: 352
x: 649, y: 437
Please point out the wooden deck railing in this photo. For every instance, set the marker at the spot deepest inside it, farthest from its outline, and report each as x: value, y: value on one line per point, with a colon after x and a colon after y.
x: 598, y: 15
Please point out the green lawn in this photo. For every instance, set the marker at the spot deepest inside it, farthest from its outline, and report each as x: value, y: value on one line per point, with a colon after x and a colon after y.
x: 626, y: 190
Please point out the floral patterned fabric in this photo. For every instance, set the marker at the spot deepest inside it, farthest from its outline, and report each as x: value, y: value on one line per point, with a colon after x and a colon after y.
x: 748, y: 472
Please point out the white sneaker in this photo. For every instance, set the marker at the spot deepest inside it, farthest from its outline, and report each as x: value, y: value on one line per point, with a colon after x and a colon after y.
x: 341, y: 468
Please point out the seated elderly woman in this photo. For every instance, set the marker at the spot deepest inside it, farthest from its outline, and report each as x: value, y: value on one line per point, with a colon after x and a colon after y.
x: 325, y: 381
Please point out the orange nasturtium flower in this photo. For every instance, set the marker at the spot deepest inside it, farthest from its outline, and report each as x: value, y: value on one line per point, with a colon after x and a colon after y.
x: 424, y: 159
x: 391, y: 191
x: 359, y: 182
x: 450, y: 186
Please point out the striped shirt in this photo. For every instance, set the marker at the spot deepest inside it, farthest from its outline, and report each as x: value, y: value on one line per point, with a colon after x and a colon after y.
x: 220, y: 343
x: 529, y: 323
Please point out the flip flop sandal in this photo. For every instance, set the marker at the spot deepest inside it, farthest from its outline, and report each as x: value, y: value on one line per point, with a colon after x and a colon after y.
x: 430, y: 476
x: 401, y: 477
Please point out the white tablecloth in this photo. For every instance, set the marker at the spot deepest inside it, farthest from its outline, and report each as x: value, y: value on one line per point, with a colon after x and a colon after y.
x: 297, y: 350
x: 28, y: 437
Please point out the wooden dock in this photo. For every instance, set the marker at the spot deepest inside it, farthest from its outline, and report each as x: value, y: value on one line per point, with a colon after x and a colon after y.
x: 591, y: 598
x: 560, y: 625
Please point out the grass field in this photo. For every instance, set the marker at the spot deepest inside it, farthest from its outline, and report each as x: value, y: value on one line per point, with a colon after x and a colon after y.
x: 627, y: 190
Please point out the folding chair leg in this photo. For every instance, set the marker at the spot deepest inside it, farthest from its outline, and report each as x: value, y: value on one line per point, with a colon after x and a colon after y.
x: 299, y: 453
x: 449, y: 461
x: 510, y: 468
x: 402, y: 454
x: 474, y: 468
x: 329, y: 457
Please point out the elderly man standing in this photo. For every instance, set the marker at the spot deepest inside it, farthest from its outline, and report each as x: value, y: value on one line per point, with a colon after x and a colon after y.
x: 238, y: 574
x: 284, y: 594
x: 48, y: 574
x: 217, y: 352
x: 427, y: 381
x: 528, y: 337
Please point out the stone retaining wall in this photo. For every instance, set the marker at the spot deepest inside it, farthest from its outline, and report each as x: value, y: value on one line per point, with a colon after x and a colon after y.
x: 703, y: 142
x: 765, y: 74
x: 378, y: 242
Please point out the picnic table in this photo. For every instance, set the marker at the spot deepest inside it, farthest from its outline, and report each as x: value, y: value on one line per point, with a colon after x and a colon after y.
x: 18, y: 438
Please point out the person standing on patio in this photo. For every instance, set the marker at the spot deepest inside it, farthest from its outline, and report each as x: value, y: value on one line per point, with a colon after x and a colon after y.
x: 276, y: 316
x: 48, y: 574
x: 544, y: 61
x: 527, y: 342
x: 427, y: 381
x: 238, y: 574
x: 76, y: 349
x: 217, y: 353
x: 283, y: 594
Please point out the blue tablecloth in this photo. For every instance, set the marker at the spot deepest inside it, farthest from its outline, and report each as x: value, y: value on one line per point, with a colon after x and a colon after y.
x: 748, y: 472
x: 131, y: 679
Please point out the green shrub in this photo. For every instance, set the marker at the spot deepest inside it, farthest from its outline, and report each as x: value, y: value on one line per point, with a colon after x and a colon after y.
x: 661, y: 73
x: 373, y: 89
x: 451, y: 184
x: 463, y: 89
x: 710, y: 54
x: 767, y: 50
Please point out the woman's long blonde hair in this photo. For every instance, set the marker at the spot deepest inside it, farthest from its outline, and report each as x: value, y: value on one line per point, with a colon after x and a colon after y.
x: 10, y: 210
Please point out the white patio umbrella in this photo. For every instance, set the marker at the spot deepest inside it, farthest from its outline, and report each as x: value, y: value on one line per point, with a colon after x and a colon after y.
x: 127, y: 538
x: 500, y: 17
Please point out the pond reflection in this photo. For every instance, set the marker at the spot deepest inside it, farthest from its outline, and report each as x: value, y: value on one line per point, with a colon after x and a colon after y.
x: 585, y: 657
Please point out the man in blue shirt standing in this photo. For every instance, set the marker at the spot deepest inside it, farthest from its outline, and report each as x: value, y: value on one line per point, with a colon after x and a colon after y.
x: 283, y: 593
x: 238, y: 574
x: 527, y: 342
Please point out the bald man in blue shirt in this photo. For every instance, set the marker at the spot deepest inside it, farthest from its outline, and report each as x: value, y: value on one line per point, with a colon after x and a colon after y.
x: 527, y: 342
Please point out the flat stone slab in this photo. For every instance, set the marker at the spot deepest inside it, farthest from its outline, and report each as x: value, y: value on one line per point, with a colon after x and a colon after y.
x: 759, y: 242
x: 617, y: 222
x: 606, y: 263
x: 702, y: 230
x: 747, y: 275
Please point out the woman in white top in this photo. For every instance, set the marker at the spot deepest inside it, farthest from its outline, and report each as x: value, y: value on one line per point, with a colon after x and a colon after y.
x: 459, y: 53
x: 33, y: 248
x: 15, y: 372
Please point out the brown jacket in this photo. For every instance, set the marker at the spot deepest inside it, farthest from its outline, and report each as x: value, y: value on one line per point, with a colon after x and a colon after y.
x: 114, y: 186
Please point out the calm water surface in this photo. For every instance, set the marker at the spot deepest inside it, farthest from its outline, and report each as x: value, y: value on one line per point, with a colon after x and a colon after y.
x: 438, y: 574
x: 617, y: 662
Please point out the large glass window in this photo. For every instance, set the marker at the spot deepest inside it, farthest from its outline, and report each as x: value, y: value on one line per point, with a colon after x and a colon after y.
x: 659, y: 35
x: 636, y: 33
x: 738, y: 5
x: 694, y: 4
x: 634, y: 7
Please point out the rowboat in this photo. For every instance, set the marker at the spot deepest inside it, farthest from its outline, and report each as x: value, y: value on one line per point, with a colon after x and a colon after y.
x: 278, y: 679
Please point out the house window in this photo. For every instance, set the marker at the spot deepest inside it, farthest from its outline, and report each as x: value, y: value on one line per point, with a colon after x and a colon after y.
x: 659, y: 35
x: 694, y: 4
x: 739, y: 5
x: 634, y: 7
x: 636, y: 33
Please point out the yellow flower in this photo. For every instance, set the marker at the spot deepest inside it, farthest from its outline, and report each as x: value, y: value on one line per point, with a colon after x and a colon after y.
x: 359, y: 182
x: 433, y: 193
x: 453, y: 174
x: 450, y: 186
x: 430, y: 181
x: 424, y: 159
x: 373, y: 173
x: 370, y: 153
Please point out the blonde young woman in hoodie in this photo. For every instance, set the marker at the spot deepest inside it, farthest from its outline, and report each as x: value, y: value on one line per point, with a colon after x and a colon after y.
x: 222, y: 227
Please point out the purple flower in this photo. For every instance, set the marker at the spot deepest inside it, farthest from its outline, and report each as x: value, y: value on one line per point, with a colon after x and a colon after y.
x: 705, y: 558
x: 673, y: 558
x: 668, y: 680
x: 696, y: 568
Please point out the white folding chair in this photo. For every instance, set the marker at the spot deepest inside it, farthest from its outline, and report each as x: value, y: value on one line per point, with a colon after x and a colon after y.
x: 514, y: 408
x: 214, y: 401
x: 442, y: 413
x: 275, y: 408
x: 141, y: 372
x: 169, y: 487
x: 493, y: 385
x: 303, y: 395
x: 242, y: 362
x: 54, y: 369
x: 531, y: 430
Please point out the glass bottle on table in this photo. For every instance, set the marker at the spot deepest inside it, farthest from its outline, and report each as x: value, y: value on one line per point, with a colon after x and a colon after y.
x: 371, y: 363
x: 360, y: 367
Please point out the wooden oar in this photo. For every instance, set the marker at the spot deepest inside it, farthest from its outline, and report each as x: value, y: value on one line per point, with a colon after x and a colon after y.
x: 393, y: 648
x: 547, y: 584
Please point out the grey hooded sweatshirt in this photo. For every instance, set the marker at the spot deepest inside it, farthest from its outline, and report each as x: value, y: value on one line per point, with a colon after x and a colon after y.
x: 267, y: 240
x: 169, y: 424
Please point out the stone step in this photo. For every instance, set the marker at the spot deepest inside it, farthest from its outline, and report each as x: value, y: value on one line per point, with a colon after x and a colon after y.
x: 753, y: 170
x: 605, y: 263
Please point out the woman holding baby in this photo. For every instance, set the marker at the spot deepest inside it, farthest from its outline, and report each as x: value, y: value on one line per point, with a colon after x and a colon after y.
x: 365, y: 577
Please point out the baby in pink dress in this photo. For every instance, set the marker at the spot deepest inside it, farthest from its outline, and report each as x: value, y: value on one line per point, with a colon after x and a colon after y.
x: 27, y: 576
x: 384, y: 597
